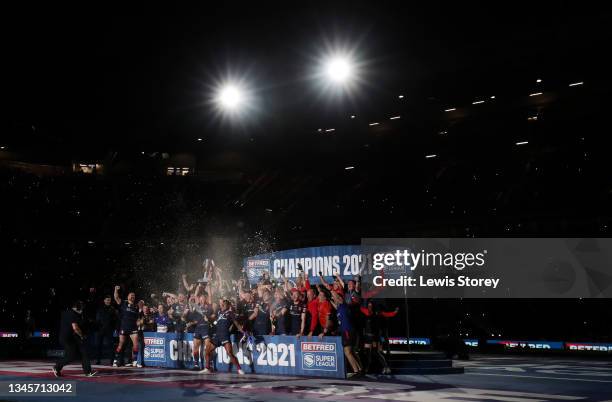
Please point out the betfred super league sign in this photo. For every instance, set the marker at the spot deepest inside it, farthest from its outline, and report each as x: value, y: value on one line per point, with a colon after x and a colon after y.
x: 319, y: 356
x: 277, y: 355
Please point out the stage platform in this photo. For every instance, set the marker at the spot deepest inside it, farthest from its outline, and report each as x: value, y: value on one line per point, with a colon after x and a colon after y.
x: 486, y: 378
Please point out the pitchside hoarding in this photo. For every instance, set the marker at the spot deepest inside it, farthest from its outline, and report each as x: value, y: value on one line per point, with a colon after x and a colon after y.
x: 412, y: 341
x: 280, y: 355
x: 588, y: 347
x: 542, y: 345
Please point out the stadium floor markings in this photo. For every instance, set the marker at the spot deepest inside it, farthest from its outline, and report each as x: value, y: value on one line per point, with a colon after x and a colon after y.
x: 463, y: 394
x: 542, y: 377
x: 475, y: 385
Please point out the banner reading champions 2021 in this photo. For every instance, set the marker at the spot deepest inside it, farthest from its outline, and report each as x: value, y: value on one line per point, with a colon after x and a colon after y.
x: 346, y: 261
x: 281, y: 355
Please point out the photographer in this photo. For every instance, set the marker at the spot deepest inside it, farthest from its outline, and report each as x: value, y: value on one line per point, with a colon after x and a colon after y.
x: 72, y: 339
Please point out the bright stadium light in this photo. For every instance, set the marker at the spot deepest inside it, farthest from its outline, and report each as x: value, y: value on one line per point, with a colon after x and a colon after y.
x: 339, y: 69
x: 234, y: 98
x: 230, y: 97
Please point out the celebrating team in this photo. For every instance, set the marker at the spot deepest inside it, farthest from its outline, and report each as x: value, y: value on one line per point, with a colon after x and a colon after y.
x: 220, y: 312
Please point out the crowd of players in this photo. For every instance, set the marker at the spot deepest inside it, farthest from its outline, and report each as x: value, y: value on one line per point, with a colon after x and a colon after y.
x: 220, y: 313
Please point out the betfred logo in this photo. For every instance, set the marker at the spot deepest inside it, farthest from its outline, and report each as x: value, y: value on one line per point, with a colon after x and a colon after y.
x: 398, y: 341
x: 318, y: 347
x: 590, y: 348
x: 154, y: 341
x: 510, y: 344
x: 258, y: 263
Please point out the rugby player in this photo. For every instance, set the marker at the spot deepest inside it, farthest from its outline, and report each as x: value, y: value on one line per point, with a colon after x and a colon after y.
x: 297, y: 315
x: 279, y: 313
x: 127, y: 328
x: 312, y: 310
x: 205, y: 313
x: 223, y: 325
x: 261, y: 317
x: 163, y: 323
x: 324, y: 311
x: 345, y: 331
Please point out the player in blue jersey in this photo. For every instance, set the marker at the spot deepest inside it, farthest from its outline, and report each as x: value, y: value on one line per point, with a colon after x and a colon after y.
x: 345, y: 330
x: 279, y: 313
x: 204, y: 312
x: 297, y: 314
x: 223, y: 326
x: 246, y: 310
x: 246, y: 315
x: 163, y: 323
x: 262, y: 323
x: 129, y: 314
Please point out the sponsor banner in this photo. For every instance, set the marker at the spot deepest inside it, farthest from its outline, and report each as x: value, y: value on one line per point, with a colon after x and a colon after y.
x: 413, y: 341
x: 281, y: 355
x: 9, y: 335
x: 346, y: 261
x: 473, y: 343
x: 319, y: 356
x: 541, y: 345
x: 154, y: 349
x: 588, y: 347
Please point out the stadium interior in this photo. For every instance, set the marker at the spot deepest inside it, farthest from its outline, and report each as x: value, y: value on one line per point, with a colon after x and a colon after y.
x: 113, y: 168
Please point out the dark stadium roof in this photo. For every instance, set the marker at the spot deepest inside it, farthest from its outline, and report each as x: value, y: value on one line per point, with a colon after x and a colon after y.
x: 501, y: 113
x: 140, y: 81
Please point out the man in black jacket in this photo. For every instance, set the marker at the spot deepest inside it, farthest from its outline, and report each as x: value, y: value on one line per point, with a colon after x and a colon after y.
x: 106, y: 323
x: 72, y: 339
